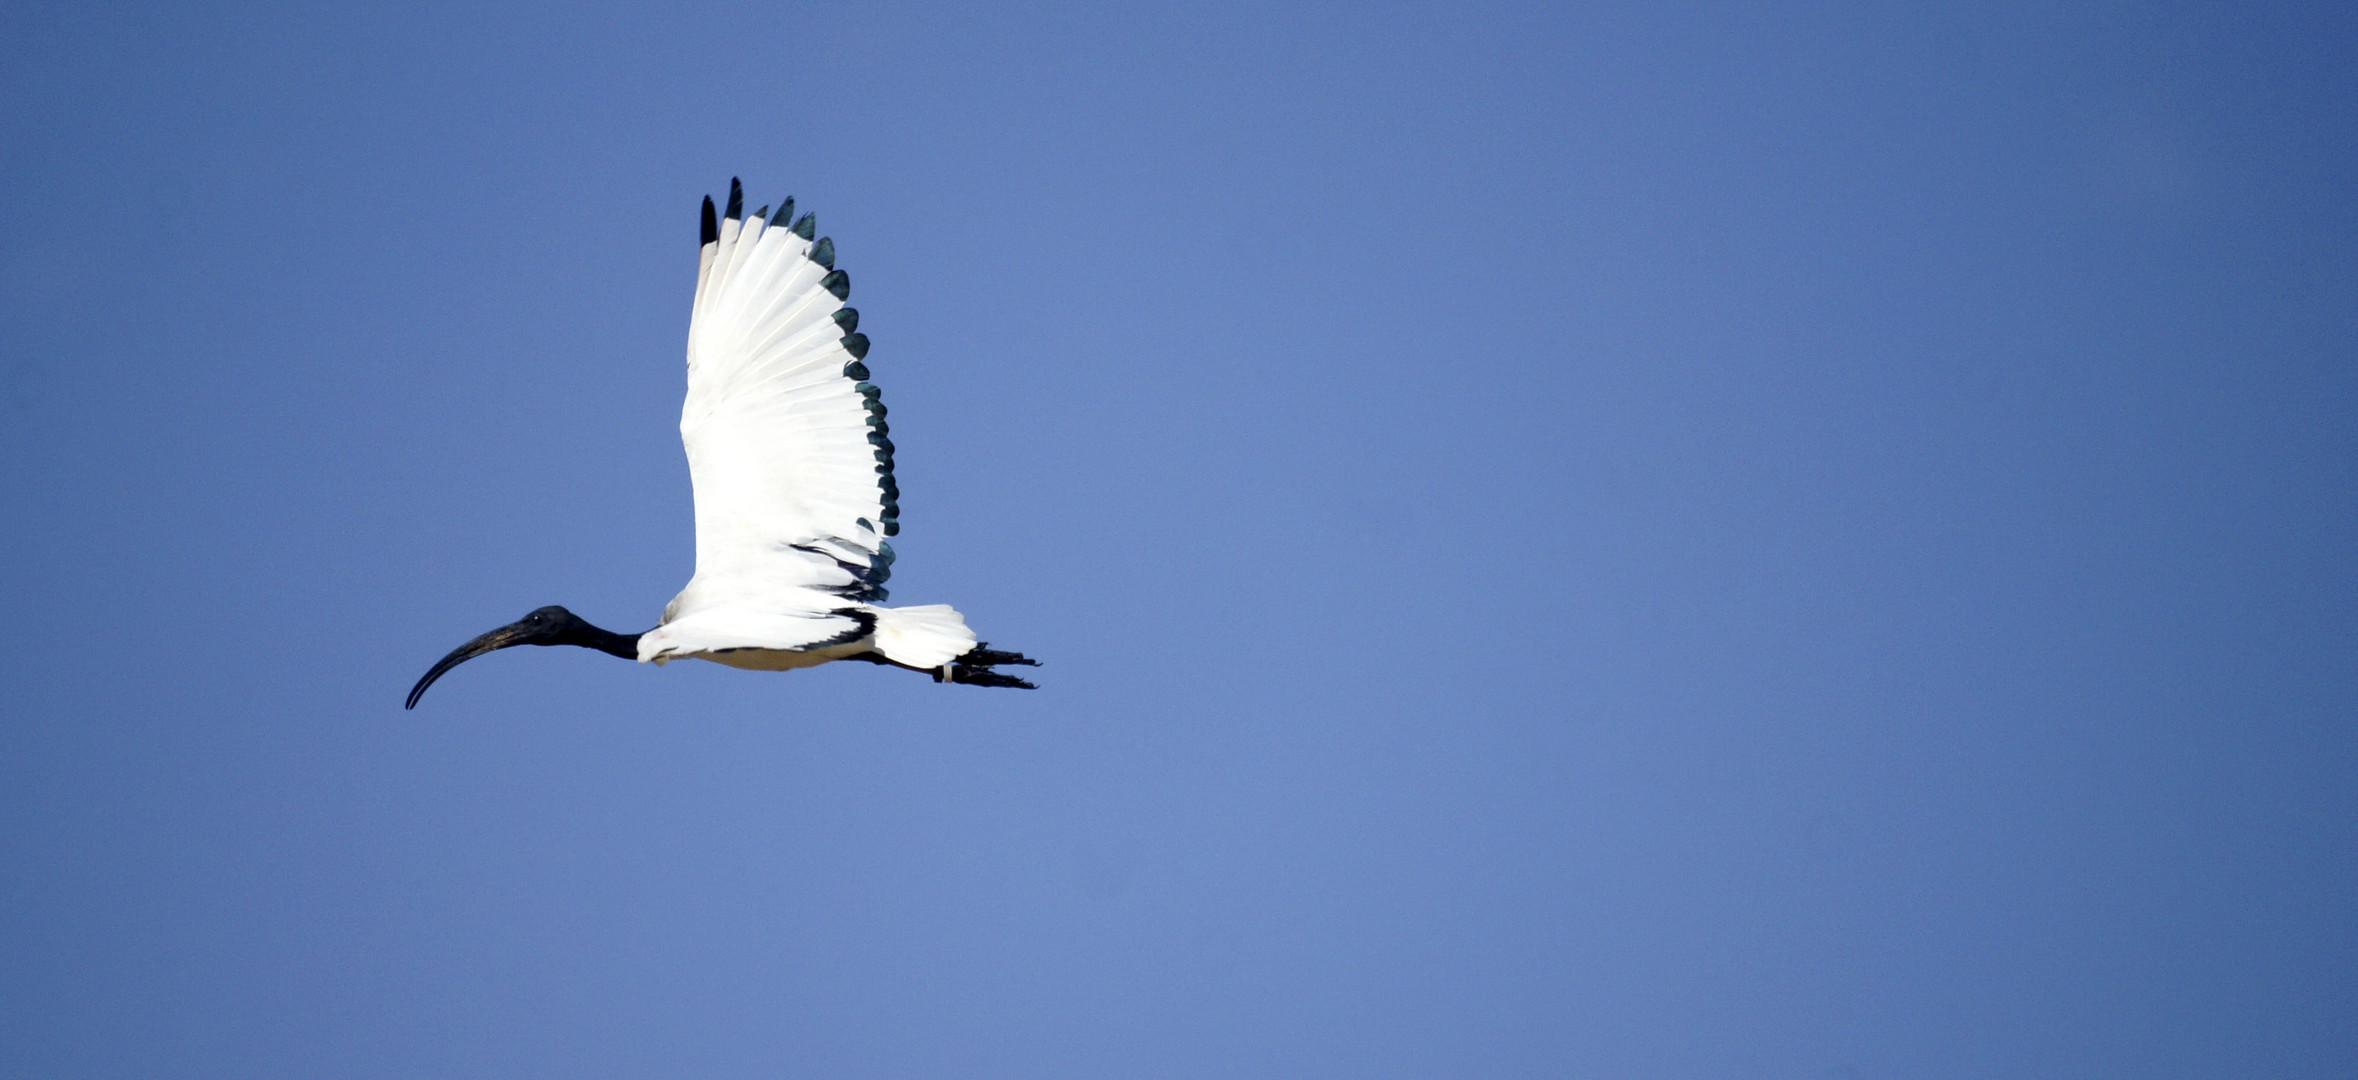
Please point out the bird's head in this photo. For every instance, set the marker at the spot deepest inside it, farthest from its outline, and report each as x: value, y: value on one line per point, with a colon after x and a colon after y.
x: 551, y: 625
x: 545, y: 626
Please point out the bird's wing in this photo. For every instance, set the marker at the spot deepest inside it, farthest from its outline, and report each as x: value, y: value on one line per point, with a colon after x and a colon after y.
x: 786, y: 439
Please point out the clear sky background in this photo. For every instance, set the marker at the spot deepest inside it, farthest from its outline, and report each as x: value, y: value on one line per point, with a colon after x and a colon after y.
x: 1731, y: 540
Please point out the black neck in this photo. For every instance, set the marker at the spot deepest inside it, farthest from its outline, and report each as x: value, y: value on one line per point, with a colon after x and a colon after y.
x: 625, y: 646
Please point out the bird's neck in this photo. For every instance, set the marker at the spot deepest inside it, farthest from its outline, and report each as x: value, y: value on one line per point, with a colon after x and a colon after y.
x: 606, y: 641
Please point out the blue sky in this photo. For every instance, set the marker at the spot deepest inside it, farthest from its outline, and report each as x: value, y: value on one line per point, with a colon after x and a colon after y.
x: 1640, y: 541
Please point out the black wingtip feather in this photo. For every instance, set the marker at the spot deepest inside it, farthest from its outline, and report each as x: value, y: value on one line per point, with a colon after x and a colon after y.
x: 855, y: 370
x: 823, y: 252
x: 857, y: 345
x: 847, y: 319
x: 806, y: 226
x: 711, y: 231
x: 736, y: 200
x: 837, y: 282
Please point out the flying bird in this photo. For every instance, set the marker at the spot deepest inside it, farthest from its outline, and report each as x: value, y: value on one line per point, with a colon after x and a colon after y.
x: 792, y: 465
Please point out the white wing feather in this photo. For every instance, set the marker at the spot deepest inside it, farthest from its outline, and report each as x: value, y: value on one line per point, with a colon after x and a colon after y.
x: 790, y: 503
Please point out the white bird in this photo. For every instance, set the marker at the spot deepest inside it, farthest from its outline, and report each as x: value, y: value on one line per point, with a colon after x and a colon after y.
x: 792, y: 466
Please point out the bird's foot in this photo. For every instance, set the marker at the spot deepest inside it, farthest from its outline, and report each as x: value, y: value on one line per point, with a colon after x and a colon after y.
x: 974, y: 667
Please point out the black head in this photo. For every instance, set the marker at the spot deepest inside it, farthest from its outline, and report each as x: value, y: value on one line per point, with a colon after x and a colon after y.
x: 551, y: 625
x: 550, y: 622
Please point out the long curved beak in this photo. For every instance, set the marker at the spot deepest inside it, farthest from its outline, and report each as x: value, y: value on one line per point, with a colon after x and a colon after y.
x: 511, y: 634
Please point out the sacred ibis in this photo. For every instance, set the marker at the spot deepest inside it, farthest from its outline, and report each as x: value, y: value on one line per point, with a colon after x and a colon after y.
x: 791, y: 461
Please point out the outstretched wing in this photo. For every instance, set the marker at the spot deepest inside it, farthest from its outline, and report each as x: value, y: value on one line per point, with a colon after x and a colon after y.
x: 786, y: 439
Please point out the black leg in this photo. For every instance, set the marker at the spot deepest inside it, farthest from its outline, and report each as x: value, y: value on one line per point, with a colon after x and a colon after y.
x: 974, y: 668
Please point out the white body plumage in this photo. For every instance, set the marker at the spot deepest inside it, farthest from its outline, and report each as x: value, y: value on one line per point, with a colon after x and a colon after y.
x: 792, y: 466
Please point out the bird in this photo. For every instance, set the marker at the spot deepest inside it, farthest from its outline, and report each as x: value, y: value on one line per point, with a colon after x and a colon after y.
x: 792, y: 464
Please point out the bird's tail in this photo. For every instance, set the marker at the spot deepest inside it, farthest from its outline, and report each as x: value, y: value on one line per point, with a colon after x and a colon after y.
x: 927, y: 636
x: 935, y: 638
